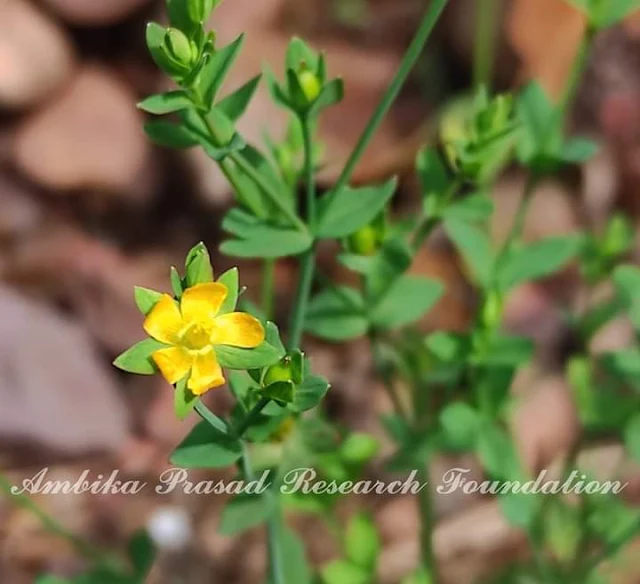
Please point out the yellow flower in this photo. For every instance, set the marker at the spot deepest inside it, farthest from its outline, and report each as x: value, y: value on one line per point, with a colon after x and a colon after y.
x: 193, y: 330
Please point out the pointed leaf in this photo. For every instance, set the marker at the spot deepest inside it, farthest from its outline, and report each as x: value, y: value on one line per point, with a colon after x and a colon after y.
x: 146, y: 299
x: 207, y: 447
x: 236, y: 104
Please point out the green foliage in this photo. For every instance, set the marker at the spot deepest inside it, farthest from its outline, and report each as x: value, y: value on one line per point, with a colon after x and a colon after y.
x: 137, y: 359
x: 207, y: 447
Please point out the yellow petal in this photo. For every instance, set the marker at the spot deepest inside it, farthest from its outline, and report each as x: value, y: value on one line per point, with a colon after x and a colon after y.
x: 202, y: 302
x: 164, y: 321
x: 205, y: 374
x: 237, y: 329
x: 174, y: 363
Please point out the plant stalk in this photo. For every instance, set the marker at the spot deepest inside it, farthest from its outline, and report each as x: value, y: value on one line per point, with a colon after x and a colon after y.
x: 408, y: 62
x: 486, y: 24
x: 308, y: 261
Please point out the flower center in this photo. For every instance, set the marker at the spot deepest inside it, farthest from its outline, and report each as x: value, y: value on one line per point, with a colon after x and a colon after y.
x: 195, y: 337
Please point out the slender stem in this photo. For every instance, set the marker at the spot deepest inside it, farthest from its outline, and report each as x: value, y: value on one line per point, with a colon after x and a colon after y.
x: 427, y: 525
x: 308, y: 261
x: 408, y: 62
x: 486, y: 22
x: 252, y: 416
x: 267, y: 288
x: 386, y: 377
x: 577, y: 71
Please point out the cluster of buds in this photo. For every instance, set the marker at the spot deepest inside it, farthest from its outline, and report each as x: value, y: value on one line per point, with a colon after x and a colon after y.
x: 479, y: 140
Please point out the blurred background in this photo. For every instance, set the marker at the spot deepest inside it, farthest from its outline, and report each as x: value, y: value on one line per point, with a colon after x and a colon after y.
x: 89, y: 208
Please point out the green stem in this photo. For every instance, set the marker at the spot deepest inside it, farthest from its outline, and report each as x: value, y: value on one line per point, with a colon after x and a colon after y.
x: 267, y: 288
x: 252, y: 416
x: 408, y: 62
x: 486, y: 23
x: 308, y: 261
x: 386, y: 377
x: 427, y: 525
x: 428, y: 224
x: 577, y: 71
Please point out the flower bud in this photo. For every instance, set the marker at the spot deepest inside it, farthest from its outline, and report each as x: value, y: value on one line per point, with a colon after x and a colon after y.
x: 364, y: 241
x: 359, y: 448
x: 492, y: 310
x: 309, y: 83
x: 618, y: 237
x: 281, y: 371
x: 200, y: 10
x: 179, y: 47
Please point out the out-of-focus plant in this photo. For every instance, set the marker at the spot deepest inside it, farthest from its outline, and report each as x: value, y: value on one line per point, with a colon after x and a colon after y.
x: 450, y: 391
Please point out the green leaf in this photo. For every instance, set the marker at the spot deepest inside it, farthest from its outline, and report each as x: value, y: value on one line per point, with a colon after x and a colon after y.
x: 617, y: 10
x: 344, y: 212
x: 461, y: 424
x: 343, y: 572
x: 392, y: 260
x: 538, y: 260
x: 207, y: 447
x: 408, y: 299
x: 215, y: 71
x: 579, y: 150
x: 276, y: 91
x: 475, y: 247
x: 419, y: 577
x: 336, y: 314
x: 235, y: 104
x: 244, y: 512
x: 296, y: 568
x: 280, y: 391
x: 184, y: 400
x: 355, y: 262
x: 180, y: 16
x: 507, y: 351
x: 476, y: 208
x: 627, y: 282
x: 146, y: 299
x: 520, y: 509
x: 142, y: 553
x: 309, y: 393
x: 434, y: 178
x: 447, y: 346
x: 362, y: 542
x: 198, y: 266
x: 632, y: 437
x: 166, y: 103
x: 359, y: 448
x: 268, y: 353
x: 265, y: 241
x: 497, y: 453
x: 137, y: 359
x: 234, y: 144
x: 231, y: 280
x: 169, y: 135
x: 331, y: 94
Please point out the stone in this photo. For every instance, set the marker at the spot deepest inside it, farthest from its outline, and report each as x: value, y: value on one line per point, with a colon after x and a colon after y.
x: 90, y: 137
x: 55, y: 392
x: 93, y: 13
x: 36, y: 58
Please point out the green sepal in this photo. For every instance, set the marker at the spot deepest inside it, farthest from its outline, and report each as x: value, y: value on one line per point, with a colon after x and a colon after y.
x: 184, y: 399
x: 231, y: 279
x: 198, y: 268
x: 177, y: 285
x: 137, y: 359
x: 146, y: 299
x: 280, y: 391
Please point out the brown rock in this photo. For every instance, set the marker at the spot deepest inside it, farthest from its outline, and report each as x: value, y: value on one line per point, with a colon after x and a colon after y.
x: 545, y: 423
x: 91, y: 137
x: 35, y: 56
x: 54, y: 391
x: 20, y: 213
x: 93, y: 13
